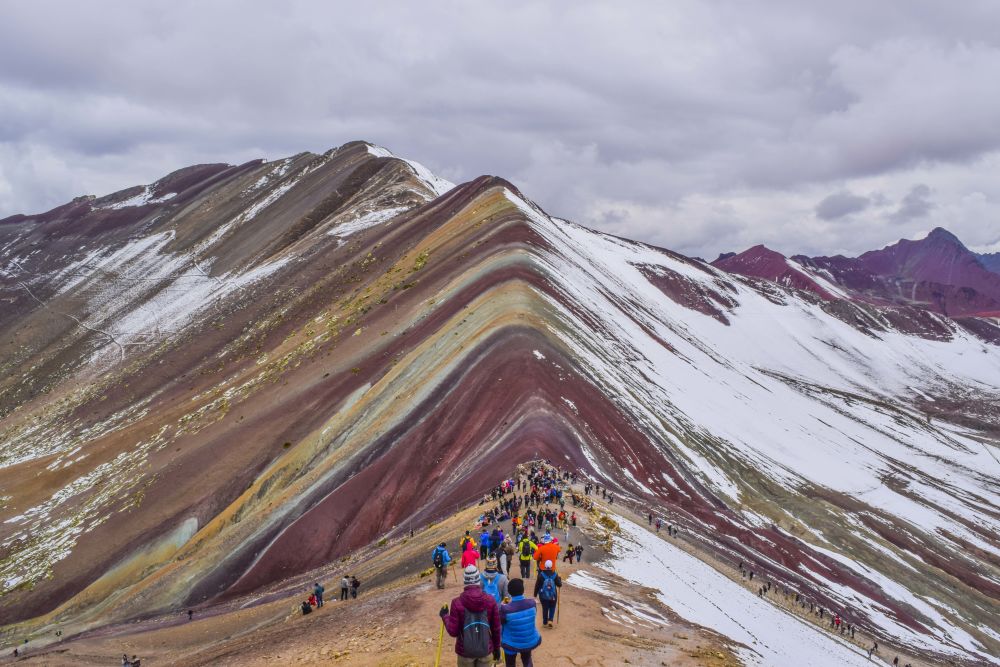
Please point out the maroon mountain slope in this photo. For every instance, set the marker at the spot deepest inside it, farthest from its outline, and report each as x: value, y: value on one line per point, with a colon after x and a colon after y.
x: 762, y: 262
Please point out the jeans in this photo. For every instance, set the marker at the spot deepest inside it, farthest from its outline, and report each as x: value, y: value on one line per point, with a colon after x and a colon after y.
x: 510, y: 659
x: 526, y: 569
x: 548, y: 611
x: 343, y: 593
x: 319, y: 600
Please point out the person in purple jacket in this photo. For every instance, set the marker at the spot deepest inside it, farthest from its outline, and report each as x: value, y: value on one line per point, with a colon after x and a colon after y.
x: 473, y: 601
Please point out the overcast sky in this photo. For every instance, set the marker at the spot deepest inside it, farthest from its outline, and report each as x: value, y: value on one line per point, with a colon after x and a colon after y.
x: 817, y: 127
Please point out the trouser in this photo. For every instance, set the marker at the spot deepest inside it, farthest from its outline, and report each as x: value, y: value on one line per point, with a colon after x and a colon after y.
x: 319, y: 600
x: 475, y: 662
x: 510, y: 659
x: 548, y: 611
x: 343, y: 593
x: 526, y: 569
x: 440, y: 576
x: 484, y: 551
x: 354, y: 593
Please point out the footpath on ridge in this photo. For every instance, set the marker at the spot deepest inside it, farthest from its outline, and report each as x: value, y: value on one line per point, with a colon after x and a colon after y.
x: 394, y: 620
x: 604, y: 619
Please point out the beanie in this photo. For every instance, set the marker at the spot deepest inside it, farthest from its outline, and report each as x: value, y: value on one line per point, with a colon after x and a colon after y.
x: 491, y: 563
x: 471, y: 575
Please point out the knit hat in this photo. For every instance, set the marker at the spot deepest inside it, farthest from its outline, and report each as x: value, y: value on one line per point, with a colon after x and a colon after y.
x: 548, y: 565
x: 491, y: 563
x: 471, y: 575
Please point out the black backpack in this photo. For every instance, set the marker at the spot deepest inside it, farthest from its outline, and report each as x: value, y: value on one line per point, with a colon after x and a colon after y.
x: 438, y: 558
x: 475, y: 634
x: 526, y: 548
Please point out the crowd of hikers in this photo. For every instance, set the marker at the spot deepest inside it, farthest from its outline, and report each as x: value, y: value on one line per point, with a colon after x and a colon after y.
x: 492, y: 615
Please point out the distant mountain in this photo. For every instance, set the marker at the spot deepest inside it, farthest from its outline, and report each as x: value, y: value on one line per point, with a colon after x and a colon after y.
x: 991, y: 261
x: 937, y: 273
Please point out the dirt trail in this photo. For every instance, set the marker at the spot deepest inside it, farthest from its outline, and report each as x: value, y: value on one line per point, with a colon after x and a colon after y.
x: 395, y: 622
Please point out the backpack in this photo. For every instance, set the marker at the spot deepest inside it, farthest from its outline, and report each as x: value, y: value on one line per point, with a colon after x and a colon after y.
x: 465, y: 541
x: 525, y: 549
x: 492, y: 587
x: 548, y: 592
x: 438, y: 558
x: 475, y: 634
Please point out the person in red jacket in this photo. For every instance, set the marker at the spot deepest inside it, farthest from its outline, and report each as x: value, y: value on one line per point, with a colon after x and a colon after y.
x: 470, y: 555
x: 473, y: 600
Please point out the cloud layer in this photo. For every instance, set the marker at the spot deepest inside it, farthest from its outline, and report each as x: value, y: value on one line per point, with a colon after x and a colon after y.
x: 701, y: 126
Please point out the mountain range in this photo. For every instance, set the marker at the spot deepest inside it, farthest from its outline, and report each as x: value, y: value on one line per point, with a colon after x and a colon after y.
x: 937, y: 273
x: 237, y: 374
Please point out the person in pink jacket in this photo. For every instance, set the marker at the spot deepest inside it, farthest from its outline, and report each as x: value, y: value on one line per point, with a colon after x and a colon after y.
x: 469, y: 556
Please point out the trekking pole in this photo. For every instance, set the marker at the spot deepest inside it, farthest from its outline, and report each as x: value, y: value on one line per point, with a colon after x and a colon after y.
x: 558, y: 607
x: 455, y: 574
x: 437, y: 659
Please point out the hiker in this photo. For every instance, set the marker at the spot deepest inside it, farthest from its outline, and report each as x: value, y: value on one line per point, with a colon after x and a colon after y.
x: 484, y: 544
x: 526, y: 549
x: 579, y: 554
x: 895, y: 661
x: 546, y: 590
x: 136, y: 662
x: 470, y: 555
x: 517, y: 617
x: 306, y: 607
x: 570, y: 552
x: 505, y: 556
x: 125, y: 661
x: 355, y: 585
x: 345, y: 587
x: 474, y: 621
x: 650, y: 518
x: 547, y: 551
x: 190, y: 614
x: 465, y: 541
x: 440, y: 558
x: 312, y: 600
x: 659, y: 524
x: 494, y: 582
x: 318, y: 592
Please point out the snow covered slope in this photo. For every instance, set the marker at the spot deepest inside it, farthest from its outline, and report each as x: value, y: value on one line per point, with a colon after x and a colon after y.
x: 282, y: 362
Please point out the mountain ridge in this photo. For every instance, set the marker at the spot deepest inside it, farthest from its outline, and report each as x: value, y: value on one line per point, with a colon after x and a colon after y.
x: 209, y: 393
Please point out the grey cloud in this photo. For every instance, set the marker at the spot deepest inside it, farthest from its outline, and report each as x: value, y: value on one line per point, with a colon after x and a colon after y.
x: 916, y: 204
x: 840, y: 204
x: 634, y: 108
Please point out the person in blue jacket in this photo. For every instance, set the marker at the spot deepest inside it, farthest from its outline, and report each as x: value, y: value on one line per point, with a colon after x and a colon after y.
x: 517, y: 617
x: 440, y: 558
x: 484, y: 544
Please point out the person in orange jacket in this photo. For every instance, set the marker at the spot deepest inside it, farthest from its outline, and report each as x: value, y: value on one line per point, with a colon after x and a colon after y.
x: 547, y: 550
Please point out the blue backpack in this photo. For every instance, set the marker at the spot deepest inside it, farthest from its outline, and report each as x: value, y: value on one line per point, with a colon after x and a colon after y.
x: 548, y: 592
x: 492, y: 587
